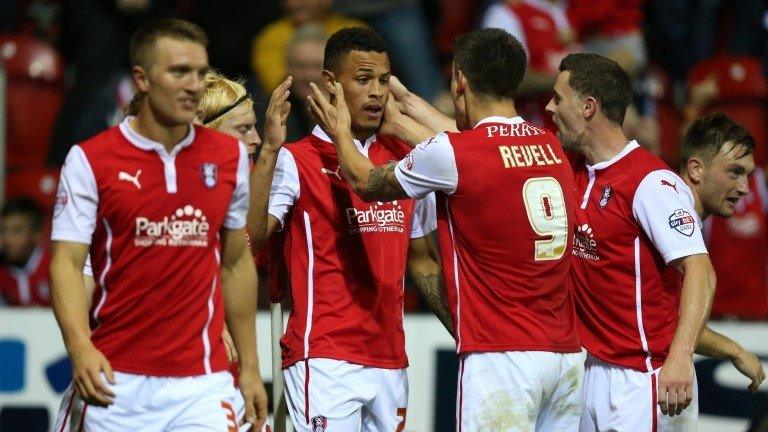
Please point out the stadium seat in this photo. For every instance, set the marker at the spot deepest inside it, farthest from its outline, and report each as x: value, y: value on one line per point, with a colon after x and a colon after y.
x: 38, y: 183
x: 743, y: 93
x: 34, y: 96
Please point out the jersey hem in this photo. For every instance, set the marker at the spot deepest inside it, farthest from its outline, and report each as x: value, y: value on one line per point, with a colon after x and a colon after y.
x: 162, y: 372
x: 466, y: 349
x: 362, y: 361
x: 638, y: 365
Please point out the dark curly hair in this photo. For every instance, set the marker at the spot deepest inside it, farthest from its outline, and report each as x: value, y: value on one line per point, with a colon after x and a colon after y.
x: 349, y: 39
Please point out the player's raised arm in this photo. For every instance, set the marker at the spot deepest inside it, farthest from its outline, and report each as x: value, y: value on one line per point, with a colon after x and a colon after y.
x: 70, y: 305
x: 715, y: 345
x: 371, y: 183
x: 416, y: 108
x: 238, y: 279
x: 401, y: 126
x: 260, y: 224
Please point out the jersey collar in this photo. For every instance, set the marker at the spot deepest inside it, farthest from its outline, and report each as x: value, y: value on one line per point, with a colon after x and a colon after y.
x: 145, y: 143
x: 605, y: 164
x: 320, y: 133
x: 499, y: 119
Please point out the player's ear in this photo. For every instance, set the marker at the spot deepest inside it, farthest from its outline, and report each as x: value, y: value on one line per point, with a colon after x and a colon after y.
x: 695, y: 168
x: 461, y: 82
x: 589, y: 107
x: 329, y: 79
x: 140, y: 78
x: 199, y: 116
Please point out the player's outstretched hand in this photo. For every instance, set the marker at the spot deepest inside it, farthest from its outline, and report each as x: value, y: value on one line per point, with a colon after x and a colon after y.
x: 277, y: 116
x: 255, y: 396
x: 392, y: 116
x: 751, y: 367
x: 333, y: 119
x: 398, y: 90
x: 676, y: 384
x: 87, y: 365
x: 229, y: 344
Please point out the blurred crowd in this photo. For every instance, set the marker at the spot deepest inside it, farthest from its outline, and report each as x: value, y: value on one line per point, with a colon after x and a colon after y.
x: 66, y: 64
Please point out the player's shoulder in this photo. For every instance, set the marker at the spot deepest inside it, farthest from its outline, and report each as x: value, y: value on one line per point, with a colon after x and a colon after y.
x: 397, y: 147
x: 102, y: 140
x: 213, y: 137
x: 643, y: 161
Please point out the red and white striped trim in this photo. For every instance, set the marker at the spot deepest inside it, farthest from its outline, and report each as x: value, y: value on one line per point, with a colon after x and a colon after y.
x: 639, y: 306
x: 205, y: 335
x: 310, y: 282
x: 107, y: 267
x: 455, y: 277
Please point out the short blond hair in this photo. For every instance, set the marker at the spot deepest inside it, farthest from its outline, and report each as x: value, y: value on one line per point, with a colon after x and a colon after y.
x: 220, y: 93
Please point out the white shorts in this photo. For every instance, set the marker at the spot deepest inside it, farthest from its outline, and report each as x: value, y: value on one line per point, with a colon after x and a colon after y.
x: 620, y: 399
x: 519, y: 391
x: 149, y: 403
x: 325, y: 395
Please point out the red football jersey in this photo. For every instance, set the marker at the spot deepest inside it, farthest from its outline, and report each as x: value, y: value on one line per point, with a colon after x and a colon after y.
x: 739, y: 250
x: 633, y: 217
x: 153, y: 222
x: 345, y: 259
x: 504, y: 211
x: 28, y: 285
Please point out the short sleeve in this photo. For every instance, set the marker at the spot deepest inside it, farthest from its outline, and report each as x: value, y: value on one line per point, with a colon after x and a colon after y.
x: 664, y: 207
x: 429, y: 167
x: 285, y: 186
x: 238, y: 206
x: 74, y: 216
x: 424, y: 219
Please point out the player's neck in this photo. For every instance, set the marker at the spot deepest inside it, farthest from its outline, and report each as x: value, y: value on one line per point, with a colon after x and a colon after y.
x: 604, y: 143
x: 484, y: 110
x: 146, y: 125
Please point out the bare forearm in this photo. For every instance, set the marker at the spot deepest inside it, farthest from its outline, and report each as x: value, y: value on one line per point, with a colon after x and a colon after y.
x: 69, y: 302
x: 240, y: 291
x: 260, y: 182
x: 426, y: 115
x: 432, y: 288
x: 695, y: 304
x: 715, y: 345
x: 412, y: 132
x: 536, y: 83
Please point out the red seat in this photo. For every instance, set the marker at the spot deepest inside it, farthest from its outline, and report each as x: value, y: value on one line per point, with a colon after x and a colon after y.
x: 743, y: 93
x: 38, y: 183
x: 33, y: 97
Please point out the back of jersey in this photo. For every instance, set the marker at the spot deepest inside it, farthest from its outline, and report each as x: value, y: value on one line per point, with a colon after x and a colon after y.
x: 504, y: 227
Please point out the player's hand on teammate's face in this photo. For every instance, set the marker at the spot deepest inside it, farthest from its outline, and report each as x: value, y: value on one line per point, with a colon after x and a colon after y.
x: 277, y: 116
x: 751, y: 367
x: 392, y: 115
x: 88, y: 363
x: 229, y: 344
x: 333, y: 119
x: 676, y: 384
x: 255, y: 396
x: 397, y: 90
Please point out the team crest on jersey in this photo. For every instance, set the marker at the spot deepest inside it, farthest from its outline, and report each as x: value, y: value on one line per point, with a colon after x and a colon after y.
x: 682, y: 222
x: 319, y: 424
x: 208, y: 172
x: 607, y: 194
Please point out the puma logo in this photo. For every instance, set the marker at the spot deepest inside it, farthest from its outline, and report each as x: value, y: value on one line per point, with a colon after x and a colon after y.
x: 672, y: 185
x: 122, y: 175
x: 329, y: 172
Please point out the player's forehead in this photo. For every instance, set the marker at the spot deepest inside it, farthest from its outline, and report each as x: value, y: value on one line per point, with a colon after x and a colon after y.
x: 736, y: 154
x: 241, y: 115
x: 170, y: 51
x: 562, y: 87
x: 359, y: 62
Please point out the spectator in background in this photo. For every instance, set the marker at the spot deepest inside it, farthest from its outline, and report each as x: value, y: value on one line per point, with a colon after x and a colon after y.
x: 269, y: 48
x: 402, y: 25
x: 24, y: 277
x: 543, y: 29
x: 304, y: 58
